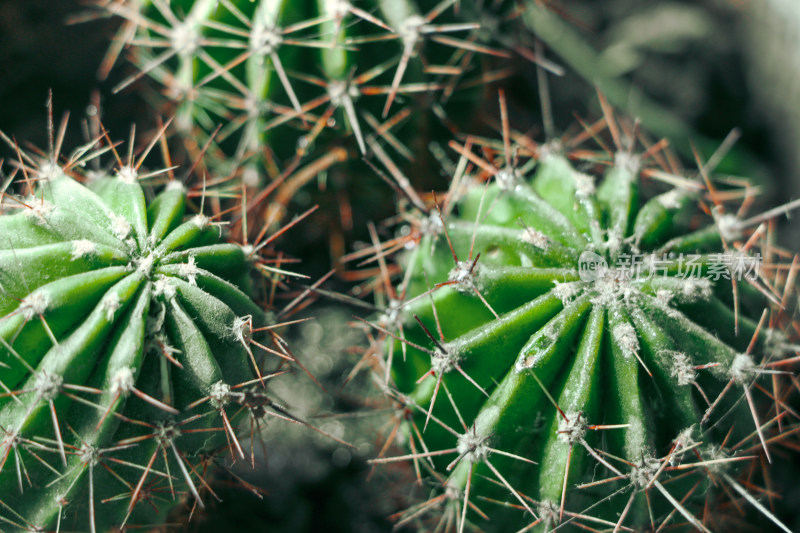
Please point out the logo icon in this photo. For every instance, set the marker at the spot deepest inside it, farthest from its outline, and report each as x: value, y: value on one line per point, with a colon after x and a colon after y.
x: 591, y: 266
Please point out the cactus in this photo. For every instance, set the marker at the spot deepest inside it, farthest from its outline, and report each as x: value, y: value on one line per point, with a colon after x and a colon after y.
x: 563, y: 353
x: 283, y: 92
x: 129, y: 341
x: 302, y: 67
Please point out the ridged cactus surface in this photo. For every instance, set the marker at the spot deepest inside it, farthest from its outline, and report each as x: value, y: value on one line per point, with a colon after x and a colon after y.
x: 567, y: 354
x: 284, y: 70
x: 125, y: 346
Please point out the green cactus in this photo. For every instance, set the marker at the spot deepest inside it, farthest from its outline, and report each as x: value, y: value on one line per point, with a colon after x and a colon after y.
x: 564, y: 353
x: 127, y: 340
x: 303, y: 67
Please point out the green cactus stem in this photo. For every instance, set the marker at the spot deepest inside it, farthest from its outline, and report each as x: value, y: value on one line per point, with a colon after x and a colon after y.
x: 565, y: 353
x: 301, y: 66
x: 127, y: 340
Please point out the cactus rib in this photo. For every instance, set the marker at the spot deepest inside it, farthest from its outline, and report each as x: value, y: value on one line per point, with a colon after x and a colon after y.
x: 572, y: 354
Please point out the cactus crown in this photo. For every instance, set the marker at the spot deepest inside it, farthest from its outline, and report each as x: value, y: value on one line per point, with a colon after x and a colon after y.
x: 301, y: 68
x: 564, y: 352
x: 129, y: 341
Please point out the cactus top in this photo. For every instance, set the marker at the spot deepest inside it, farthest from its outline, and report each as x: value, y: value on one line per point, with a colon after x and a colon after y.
x: 257, y: 65
x: 124, y: 327
x: 554, y: 332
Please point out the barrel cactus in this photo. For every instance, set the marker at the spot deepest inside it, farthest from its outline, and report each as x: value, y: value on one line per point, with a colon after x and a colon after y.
x: 130, y: 345
x: 294, y: 67
x: 564, y: 353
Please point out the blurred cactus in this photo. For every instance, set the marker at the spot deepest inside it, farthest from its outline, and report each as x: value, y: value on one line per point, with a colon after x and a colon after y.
x: 283, y: 71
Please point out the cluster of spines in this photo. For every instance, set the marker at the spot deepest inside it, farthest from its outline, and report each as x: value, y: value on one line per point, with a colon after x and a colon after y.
x: 421, y: 299
x: 114, y: 450
x: 236, y: 65
x: 430, y: 222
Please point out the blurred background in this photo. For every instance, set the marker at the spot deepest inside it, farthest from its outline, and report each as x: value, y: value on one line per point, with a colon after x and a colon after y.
x: 713, y: 64
x: 716, y: 65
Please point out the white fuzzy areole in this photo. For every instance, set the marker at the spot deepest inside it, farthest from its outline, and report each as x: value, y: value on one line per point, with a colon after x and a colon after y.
x: 643, y: 472
x: 682, y: 368
x: 566, y: 291
x: 432, y: 225
x: 443, y: 362
x: 189, y: 270
x: 340, y: 8
x: 464, y: 276
x: 83, y: 248
x: 110, y: 304
x: 242, y: 329
x: 472, y: 446
x: 411, y: 29
x: 264, y: 39
x: 164, y: 286
x: 627, y: 162
x: 120, y: 226
x: 201, y: 221
x: 185, y: 37
x: 742, y: 368
x: 49, y: 171
x: 47, y: 385
x: 571, y: 429
x: 34, y: 304
x: 127, y: 174
x: 549, y: 511
x: 671, y: 199
x: 665, y: 296
x: 507, y: 178
x: 220, y: 394
x: 683, y: 441
x: 145, y: 264
x: 584, y: 185
x: 729, y: 227
x: 536, y: 238
x: 695, y: 289
x: 176, y: 185
x: 40, y: 209
x: 122, y: 382
x: 625, y: 336
x: 89, y: 455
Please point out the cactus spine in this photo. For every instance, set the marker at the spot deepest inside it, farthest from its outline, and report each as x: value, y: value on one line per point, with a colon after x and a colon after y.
x: 127, y: 340
x: 565, y: 353
x: 302, y: 67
